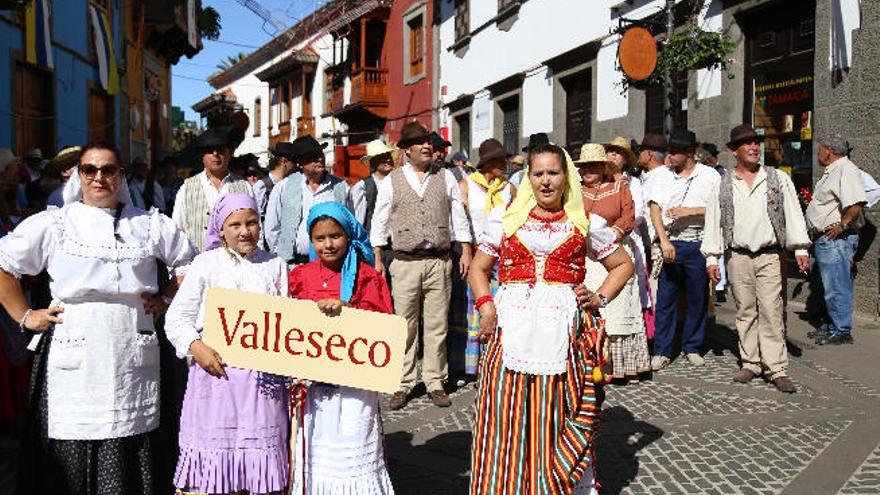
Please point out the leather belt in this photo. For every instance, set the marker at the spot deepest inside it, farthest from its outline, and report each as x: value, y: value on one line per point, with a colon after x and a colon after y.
x: 421, y: 254
x: 764, y: 250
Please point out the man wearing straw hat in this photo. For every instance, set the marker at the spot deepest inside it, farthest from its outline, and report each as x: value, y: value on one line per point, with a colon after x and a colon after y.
x: 753, y: 215
x: 678, y: 197
x: 420, y: 208
x: 362, y: 196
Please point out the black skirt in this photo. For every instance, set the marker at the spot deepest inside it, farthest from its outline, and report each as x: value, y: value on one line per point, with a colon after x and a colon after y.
x: 118, y: 466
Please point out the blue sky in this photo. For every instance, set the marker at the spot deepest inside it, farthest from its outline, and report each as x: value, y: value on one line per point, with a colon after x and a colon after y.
x: 242, y: 31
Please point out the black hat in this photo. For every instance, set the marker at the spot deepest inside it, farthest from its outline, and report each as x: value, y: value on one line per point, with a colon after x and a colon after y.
x: 438, y: 142
x: 741, y: 134
x: 654, y: 142
x: 537, y: 139
x: 213, y: 138
x: 682, y: 140
x: 711, y: 149
x: 284, y: 149
x: 413, y: 133
x: 304, y: 146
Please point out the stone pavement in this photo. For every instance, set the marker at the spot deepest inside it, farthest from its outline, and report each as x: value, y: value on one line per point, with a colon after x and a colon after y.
x: 692, y: 430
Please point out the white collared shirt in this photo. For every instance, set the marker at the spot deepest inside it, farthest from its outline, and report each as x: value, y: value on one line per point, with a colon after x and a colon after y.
x: 211, y: 195
x: 459, y: 226
x: 324, y: 194
x: 357, y: 198
x: 752, y: 229
x: 840, y: 187
x: 669, y: 190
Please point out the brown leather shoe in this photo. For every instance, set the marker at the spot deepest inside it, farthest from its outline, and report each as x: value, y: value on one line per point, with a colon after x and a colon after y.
x: 784, y: 384
x: 744, y: 376
x: 398, y: 400
x: 439, y: 398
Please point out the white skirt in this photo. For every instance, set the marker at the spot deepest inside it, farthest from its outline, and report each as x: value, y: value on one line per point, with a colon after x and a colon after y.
x: 623, y: 315
x: 340, y: 446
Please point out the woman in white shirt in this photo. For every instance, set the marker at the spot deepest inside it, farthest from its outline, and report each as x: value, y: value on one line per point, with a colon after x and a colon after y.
x: 98, y: 355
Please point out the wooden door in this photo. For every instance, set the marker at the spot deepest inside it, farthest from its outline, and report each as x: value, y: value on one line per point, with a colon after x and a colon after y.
x: 101, y: 123
x: 578, y: 110
x: 34, y: 109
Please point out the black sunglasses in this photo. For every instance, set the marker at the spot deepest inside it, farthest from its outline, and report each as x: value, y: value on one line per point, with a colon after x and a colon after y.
x: 91, y: 171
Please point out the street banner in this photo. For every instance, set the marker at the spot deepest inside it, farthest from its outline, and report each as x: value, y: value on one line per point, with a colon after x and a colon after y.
x: 292, y: 337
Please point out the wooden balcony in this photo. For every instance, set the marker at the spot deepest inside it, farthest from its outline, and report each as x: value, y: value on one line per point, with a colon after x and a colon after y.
x: 305, y: 126
x: 283, y: 135
x: 369, y: 88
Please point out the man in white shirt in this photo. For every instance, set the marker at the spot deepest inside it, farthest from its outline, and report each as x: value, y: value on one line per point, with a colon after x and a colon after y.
x: 834, y: 218
x: 753, y: 215
x: 291, y: 200
x: 420, y: 208
x: 677, y: 198
x: 362, y: 196
x: 196, y: 198
x: 280, y: 166
x: 149, y: 192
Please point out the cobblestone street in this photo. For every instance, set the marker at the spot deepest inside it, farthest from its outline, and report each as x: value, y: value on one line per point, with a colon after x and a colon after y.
x: 693, y: 431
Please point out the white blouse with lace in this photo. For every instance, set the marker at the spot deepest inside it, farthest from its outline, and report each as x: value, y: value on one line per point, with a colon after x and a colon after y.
x: 103, y: 362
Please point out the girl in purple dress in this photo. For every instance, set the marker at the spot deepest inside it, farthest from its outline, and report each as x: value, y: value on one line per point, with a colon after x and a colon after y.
x: 234, y: 423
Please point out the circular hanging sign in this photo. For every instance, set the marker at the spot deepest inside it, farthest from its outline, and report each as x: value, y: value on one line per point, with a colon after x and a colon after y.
x: 637, y: 53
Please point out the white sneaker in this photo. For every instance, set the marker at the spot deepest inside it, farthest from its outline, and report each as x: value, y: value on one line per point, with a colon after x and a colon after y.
x: 695, y: 359
x: 659, y: 362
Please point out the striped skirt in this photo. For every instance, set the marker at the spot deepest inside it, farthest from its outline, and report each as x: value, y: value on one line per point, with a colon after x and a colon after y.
x: 464, y: 344
x: 534, y: 434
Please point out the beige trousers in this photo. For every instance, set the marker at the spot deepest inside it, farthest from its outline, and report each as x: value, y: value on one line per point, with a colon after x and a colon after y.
x: 422, y: 288
x: 756, y: 283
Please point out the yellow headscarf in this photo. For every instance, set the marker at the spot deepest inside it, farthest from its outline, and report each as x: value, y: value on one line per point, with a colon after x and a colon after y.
x: 493, y: 190
x: 573, y: 202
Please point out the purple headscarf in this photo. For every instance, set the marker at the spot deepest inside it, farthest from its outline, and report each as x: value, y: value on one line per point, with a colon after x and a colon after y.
x: 226, y: 205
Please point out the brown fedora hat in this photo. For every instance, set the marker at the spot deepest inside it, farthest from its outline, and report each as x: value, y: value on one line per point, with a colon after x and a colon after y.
x: 413, y: 133
x: 654, y: 142
x: 741, y: 134
x: 491, y: 149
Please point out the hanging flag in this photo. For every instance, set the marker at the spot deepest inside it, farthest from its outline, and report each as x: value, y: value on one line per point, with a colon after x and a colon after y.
x: 38, y: 38
x: 104, y: 49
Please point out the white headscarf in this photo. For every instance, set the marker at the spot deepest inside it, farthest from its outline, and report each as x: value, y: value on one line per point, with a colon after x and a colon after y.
x: 73, y: 191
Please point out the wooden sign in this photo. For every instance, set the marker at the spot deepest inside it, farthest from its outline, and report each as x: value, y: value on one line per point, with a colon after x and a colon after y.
x: 637, y: 53
x: 292, y: 337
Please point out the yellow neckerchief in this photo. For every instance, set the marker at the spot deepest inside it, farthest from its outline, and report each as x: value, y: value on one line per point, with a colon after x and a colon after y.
x: 573, y: 202
x: 493, y: 190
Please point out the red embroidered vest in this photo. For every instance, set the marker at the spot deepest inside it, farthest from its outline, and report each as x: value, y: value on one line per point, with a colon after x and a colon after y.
x: 565, y: 264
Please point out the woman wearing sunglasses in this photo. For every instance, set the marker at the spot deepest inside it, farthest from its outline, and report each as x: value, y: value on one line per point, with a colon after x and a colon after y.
x: 96, y: 378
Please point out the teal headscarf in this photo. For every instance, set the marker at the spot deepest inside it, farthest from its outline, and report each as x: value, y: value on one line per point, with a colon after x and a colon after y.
x: 358, y: 243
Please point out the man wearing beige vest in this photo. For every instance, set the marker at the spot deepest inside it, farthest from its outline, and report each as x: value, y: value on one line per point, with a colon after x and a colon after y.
x: 420, y: 208
x: 752, y: 217
x: 196, y: 198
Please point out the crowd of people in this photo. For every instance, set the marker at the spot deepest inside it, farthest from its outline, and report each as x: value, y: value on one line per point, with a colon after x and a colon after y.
x: 541, y: 277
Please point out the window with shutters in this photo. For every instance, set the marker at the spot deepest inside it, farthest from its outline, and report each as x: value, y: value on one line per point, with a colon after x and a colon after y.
x: 258, y: 116
x: 101, y: 122
x: 510, y: 124
x: 462, y: 19
x: 414, y: 44
x: 654, y: 96
x: 33, y: 109
x: 463, y: 132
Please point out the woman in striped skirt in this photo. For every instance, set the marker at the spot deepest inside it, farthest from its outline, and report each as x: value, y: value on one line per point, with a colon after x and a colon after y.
x: 536, y: 403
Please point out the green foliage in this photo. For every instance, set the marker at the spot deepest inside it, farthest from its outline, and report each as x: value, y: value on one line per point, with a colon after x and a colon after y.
x: 209, y: 23
x: 231, y: 60
x: 691, y: 48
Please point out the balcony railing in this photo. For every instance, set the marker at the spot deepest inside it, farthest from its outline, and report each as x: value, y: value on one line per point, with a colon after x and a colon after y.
x: 305, y: 126
x: 369, y: 86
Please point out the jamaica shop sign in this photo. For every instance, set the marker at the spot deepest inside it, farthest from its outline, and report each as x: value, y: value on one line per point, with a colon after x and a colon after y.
x: 794, y: 90
x: 291, y: 337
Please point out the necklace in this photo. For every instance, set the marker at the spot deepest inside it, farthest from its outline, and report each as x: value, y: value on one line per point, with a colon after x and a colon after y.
x: 553, y: 217
x: 327, y: 278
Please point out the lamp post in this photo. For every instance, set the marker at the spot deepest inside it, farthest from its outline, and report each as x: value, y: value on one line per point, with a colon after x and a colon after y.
x: 668, y: 122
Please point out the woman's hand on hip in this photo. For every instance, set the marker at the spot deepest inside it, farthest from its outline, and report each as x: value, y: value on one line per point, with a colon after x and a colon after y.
x: 208, y: 359
x: 41, y: 320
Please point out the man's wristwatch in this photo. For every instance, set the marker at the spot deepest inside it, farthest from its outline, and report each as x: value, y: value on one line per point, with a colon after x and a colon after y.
x: 603, y: 301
